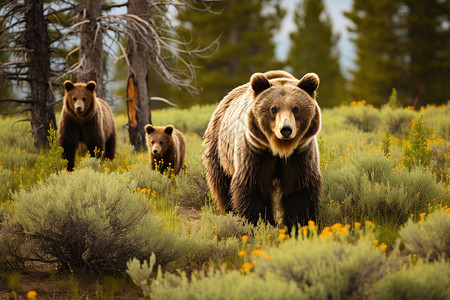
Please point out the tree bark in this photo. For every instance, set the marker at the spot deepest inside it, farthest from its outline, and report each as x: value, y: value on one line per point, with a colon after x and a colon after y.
x: 38, y: 60
x: 138, y: 100
x: 91, y: 53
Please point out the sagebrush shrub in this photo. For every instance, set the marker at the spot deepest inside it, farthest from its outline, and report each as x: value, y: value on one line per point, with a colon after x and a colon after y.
x: 365, y: 118
x: 311, y: 268
x: 91, y: 220
x: 429, y: 238
x: 397, y: 120
x: 417, y: 281
x: 367, y: 188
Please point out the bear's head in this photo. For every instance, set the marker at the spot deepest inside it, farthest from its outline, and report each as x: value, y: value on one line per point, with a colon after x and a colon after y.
x: 159, y: 139
x: 285, y: 110
x: 79, y: 97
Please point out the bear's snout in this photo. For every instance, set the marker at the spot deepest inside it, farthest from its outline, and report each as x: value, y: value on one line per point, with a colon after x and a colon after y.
x: 79, y: 106
x: 286, y: 131
x: 156, y: 149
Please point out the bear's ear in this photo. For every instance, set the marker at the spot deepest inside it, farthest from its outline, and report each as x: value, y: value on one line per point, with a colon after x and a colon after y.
x: 68, y: 85
x: 259, y: 82
x: 309, y: 83
x: 149, y: 128
x: 91, y: 85
x: 168, y: 129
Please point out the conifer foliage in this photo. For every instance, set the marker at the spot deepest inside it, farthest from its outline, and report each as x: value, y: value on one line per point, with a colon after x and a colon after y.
x: 314, y: 50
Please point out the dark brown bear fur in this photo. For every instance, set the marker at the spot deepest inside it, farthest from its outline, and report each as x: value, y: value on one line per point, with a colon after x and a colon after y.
x: 261, y: 142
x: 85, y: 119
x: 166, y: 148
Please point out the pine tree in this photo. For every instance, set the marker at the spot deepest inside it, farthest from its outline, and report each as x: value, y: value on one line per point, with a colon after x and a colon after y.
x: 428, y: 49
x: 379, y: 54
x: 244, y: 30
x: 402, y: 44
x: 314, y: 50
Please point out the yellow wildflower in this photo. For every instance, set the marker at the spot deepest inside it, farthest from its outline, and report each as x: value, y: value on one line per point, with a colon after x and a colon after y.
x: 368, y: 223
x: 242, y: 253
x: 357, y: 224
x: 383, y: 246
x: 31, y: 295
x: 311, y: 223
x: 257, y: 252
x: 336, y: 226
x: 374, y: 243
x: 245, y: 237
x: 247, y: 266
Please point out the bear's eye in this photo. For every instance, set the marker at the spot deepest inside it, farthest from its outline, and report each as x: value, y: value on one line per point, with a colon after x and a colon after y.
x: 295, y: 110
x: 274, y: 110
x: 74, y: 98
x: 161, y: 143
x: 153, y: 142
x: 84, y: 98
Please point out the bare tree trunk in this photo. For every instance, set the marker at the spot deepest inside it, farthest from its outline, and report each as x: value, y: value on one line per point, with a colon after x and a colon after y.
x: 38, y: 59
x: 137, y: 90
x: 91, y: 54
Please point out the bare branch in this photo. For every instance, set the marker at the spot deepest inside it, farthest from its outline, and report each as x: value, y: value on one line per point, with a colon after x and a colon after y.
x: 163, y: 100
x: 109, y: 6
x: 21, y: 101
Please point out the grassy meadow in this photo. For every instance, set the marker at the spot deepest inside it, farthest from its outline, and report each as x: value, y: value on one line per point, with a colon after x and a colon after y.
x: 117, y: 230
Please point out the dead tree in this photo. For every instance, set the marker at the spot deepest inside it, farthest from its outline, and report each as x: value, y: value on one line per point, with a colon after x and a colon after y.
x: 91, y: 58
x: 26, y: 35
x: 139, y: 113
x: 152, y: 44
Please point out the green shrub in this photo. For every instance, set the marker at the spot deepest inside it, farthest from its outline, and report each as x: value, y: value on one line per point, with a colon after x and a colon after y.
x: 367, y: 188
x: 420, y: 281
x: 91, y: 220
x: 437, y: 118
x: 14, y: 158
x: 393, y: 100
x: 429, y: 238
x: 52, y: 161
x: 16, y: 134
x: 218, y: 284
x: 194, y: 119
x: 416, y: 151
x: 397, y: 120
x: 5, y: 184
x: 364, y: 117
x: 312, y: 268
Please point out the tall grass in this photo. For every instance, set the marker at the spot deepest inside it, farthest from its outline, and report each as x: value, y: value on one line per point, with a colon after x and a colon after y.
x: 107, y: 212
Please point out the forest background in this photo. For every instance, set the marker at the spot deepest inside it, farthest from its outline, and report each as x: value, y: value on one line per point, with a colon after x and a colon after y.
x: 213, y: 47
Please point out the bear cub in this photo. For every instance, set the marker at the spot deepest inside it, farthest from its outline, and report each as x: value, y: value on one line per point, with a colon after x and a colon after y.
x: 166, y: 148
x: 261, y: 143
x: 85, y: 119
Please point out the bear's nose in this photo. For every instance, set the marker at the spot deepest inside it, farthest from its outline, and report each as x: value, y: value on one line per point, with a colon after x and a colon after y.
x: 78, y: 108
x: 155, y: 151
x: 286, y: 131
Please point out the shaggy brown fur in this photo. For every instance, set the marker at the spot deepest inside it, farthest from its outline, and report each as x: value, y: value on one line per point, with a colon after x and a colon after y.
x: 262, y: 139
x: 85, y: 119
x: 166, y: 147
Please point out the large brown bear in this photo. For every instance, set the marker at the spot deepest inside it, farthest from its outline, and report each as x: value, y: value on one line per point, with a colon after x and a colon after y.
x: 85, y: 119
x: 261, y: 143
x: 166, y: 148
